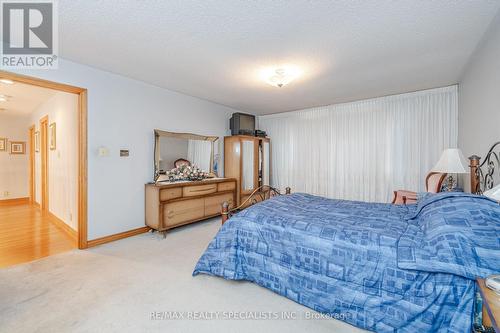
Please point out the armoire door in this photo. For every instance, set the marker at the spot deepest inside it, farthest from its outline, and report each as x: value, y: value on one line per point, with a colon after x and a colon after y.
x: 249, y: 165
x: 266, y: 165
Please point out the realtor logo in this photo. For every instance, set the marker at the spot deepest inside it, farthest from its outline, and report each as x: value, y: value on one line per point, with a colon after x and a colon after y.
x: 29, y: 34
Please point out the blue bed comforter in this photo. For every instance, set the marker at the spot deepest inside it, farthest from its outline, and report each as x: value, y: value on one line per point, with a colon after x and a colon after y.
x: 344, y: 259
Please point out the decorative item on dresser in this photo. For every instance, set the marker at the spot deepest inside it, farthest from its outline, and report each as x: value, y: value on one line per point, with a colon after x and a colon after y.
x: 248, y: 159
x: 169, y: 205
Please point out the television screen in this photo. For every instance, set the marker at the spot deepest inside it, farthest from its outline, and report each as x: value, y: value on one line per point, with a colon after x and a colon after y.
x: 247, y: 122
x: 242, y: 123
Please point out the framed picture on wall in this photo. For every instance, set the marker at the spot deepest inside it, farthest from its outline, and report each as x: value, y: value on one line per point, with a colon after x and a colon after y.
x: 17, y: 147
x: 37, y: 141
x: 3, y: 144
x: 52, y: 136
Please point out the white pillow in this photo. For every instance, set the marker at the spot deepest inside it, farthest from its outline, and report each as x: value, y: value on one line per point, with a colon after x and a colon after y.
x: 494, y: 193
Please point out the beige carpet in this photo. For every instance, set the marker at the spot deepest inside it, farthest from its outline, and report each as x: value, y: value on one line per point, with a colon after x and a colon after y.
x: 116, y: 287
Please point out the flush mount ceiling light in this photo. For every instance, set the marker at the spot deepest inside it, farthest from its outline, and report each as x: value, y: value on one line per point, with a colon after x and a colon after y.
x: 281, y: 76
x: 6, y: 81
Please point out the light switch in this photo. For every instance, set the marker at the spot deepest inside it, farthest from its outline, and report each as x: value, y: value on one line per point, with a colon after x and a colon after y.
x: 103, y: 151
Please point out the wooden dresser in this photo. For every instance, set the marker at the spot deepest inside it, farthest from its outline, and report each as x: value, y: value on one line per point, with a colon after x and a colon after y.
x: 170, y: 205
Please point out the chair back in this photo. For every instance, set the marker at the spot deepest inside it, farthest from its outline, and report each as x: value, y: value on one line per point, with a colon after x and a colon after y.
x: 180, y: 162
x: 434, y: 182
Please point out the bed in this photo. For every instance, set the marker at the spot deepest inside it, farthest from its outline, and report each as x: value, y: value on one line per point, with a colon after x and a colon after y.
x: 380, y: 267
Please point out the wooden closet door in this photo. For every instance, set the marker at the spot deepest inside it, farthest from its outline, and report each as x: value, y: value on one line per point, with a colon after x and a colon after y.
x: 266, y: 162
x: 249, y: 165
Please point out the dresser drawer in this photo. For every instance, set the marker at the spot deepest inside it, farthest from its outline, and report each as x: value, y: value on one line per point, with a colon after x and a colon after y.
x: 183, y: 211
x: 213, y: 205
x: 170, y: 193
x: 191, y: 191
x: 229, y: 186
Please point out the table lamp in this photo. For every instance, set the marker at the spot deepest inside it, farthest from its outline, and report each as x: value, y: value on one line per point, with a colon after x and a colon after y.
x: 452, y: 161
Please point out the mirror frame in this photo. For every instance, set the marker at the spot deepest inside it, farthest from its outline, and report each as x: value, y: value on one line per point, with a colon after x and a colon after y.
x: 188, y: 136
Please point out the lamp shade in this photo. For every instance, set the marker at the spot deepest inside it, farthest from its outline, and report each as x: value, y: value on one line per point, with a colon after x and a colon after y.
x: 493, y: 193
x: 452, y: 161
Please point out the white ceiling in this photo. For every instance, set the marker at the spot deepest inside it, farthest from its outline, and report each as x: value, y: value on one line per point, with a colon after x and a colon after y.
x: 215, y: 50
x: 23, y: 98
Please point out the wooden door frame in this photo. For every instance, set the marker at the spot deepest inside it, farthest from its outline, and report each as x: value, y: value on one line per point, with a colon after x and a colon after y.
x: 31, y: 134
x: 44, y: 164
x: 82, y: 143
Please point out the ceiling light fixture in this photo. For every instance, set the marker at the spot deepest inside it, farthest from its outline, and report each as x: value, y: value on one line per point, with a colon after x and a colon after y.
x: 281, y: 76
x: 4, y: 98
x: 6, y: 81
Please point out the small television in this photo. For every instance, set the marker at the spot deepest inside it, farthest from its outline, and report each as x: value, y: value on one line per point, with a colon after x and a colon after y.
x: 242, y: 123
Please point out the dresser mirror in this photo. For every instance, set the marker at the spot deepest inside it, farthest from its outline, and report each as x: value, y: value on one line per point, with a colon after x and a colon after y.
x: 173, y: 150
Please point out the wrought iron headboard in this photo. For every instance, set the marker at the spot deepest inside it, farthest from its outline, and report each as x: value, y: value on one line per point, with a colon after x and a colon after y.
x: 484, y: 175
x: 261, y: 193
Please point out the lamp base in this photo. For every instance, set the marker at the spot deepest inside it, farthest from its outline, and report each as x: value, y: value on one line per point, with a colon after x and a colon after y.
x: 451, y: 184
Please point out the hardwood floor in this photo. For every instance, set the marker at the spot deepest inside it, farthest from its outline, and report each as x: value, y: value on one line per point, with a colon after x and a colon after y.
x: 26, y: 234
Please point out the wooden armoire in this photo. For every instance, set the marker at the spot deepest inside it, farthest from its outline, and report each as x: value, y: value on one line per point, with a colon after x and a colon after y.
x: 248, y: 159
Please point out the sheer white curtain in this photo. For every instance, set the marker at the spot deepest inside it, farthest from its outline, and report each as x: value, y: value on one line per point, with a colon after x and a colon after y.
x: 199, y: 154
x: 363, y: 150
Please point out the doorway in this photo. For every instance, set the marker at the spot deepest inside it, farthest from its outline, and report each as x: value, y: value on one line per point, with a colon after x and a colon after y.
x: 41, y: 157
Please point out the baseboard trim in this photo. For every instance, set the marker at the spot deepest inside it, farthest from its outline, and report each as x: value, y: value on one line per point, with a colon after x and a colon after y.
x: 121, y: 235
x: 16, y: 201
x: 64, y: 227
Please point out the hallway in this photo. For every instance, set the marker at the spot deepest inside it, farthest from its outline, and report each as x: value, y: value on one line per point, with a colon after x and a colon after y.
x: 26, y: 235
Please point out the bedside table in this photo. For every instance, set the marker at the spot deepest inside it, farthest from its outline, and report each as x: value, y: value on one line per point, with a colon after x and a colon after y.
x: 491, y: 306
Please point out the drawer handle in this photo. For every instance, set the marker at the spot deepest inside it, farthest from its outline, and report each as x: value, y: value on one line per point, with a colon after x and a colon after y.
x: 204, y: 190
x: 170, y: 214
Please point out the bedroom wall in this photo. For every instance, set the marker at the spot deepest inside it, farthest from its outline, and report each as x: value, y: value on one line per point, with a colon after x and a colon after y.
x: 14, y: 169
x: 479, y: 96
x: 122, y: 114
x: 62, y: 109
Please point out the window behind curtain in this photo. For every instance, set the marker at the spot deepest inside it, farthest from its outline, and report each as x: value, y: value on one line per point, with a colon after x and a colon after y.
x: 363, y: 150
